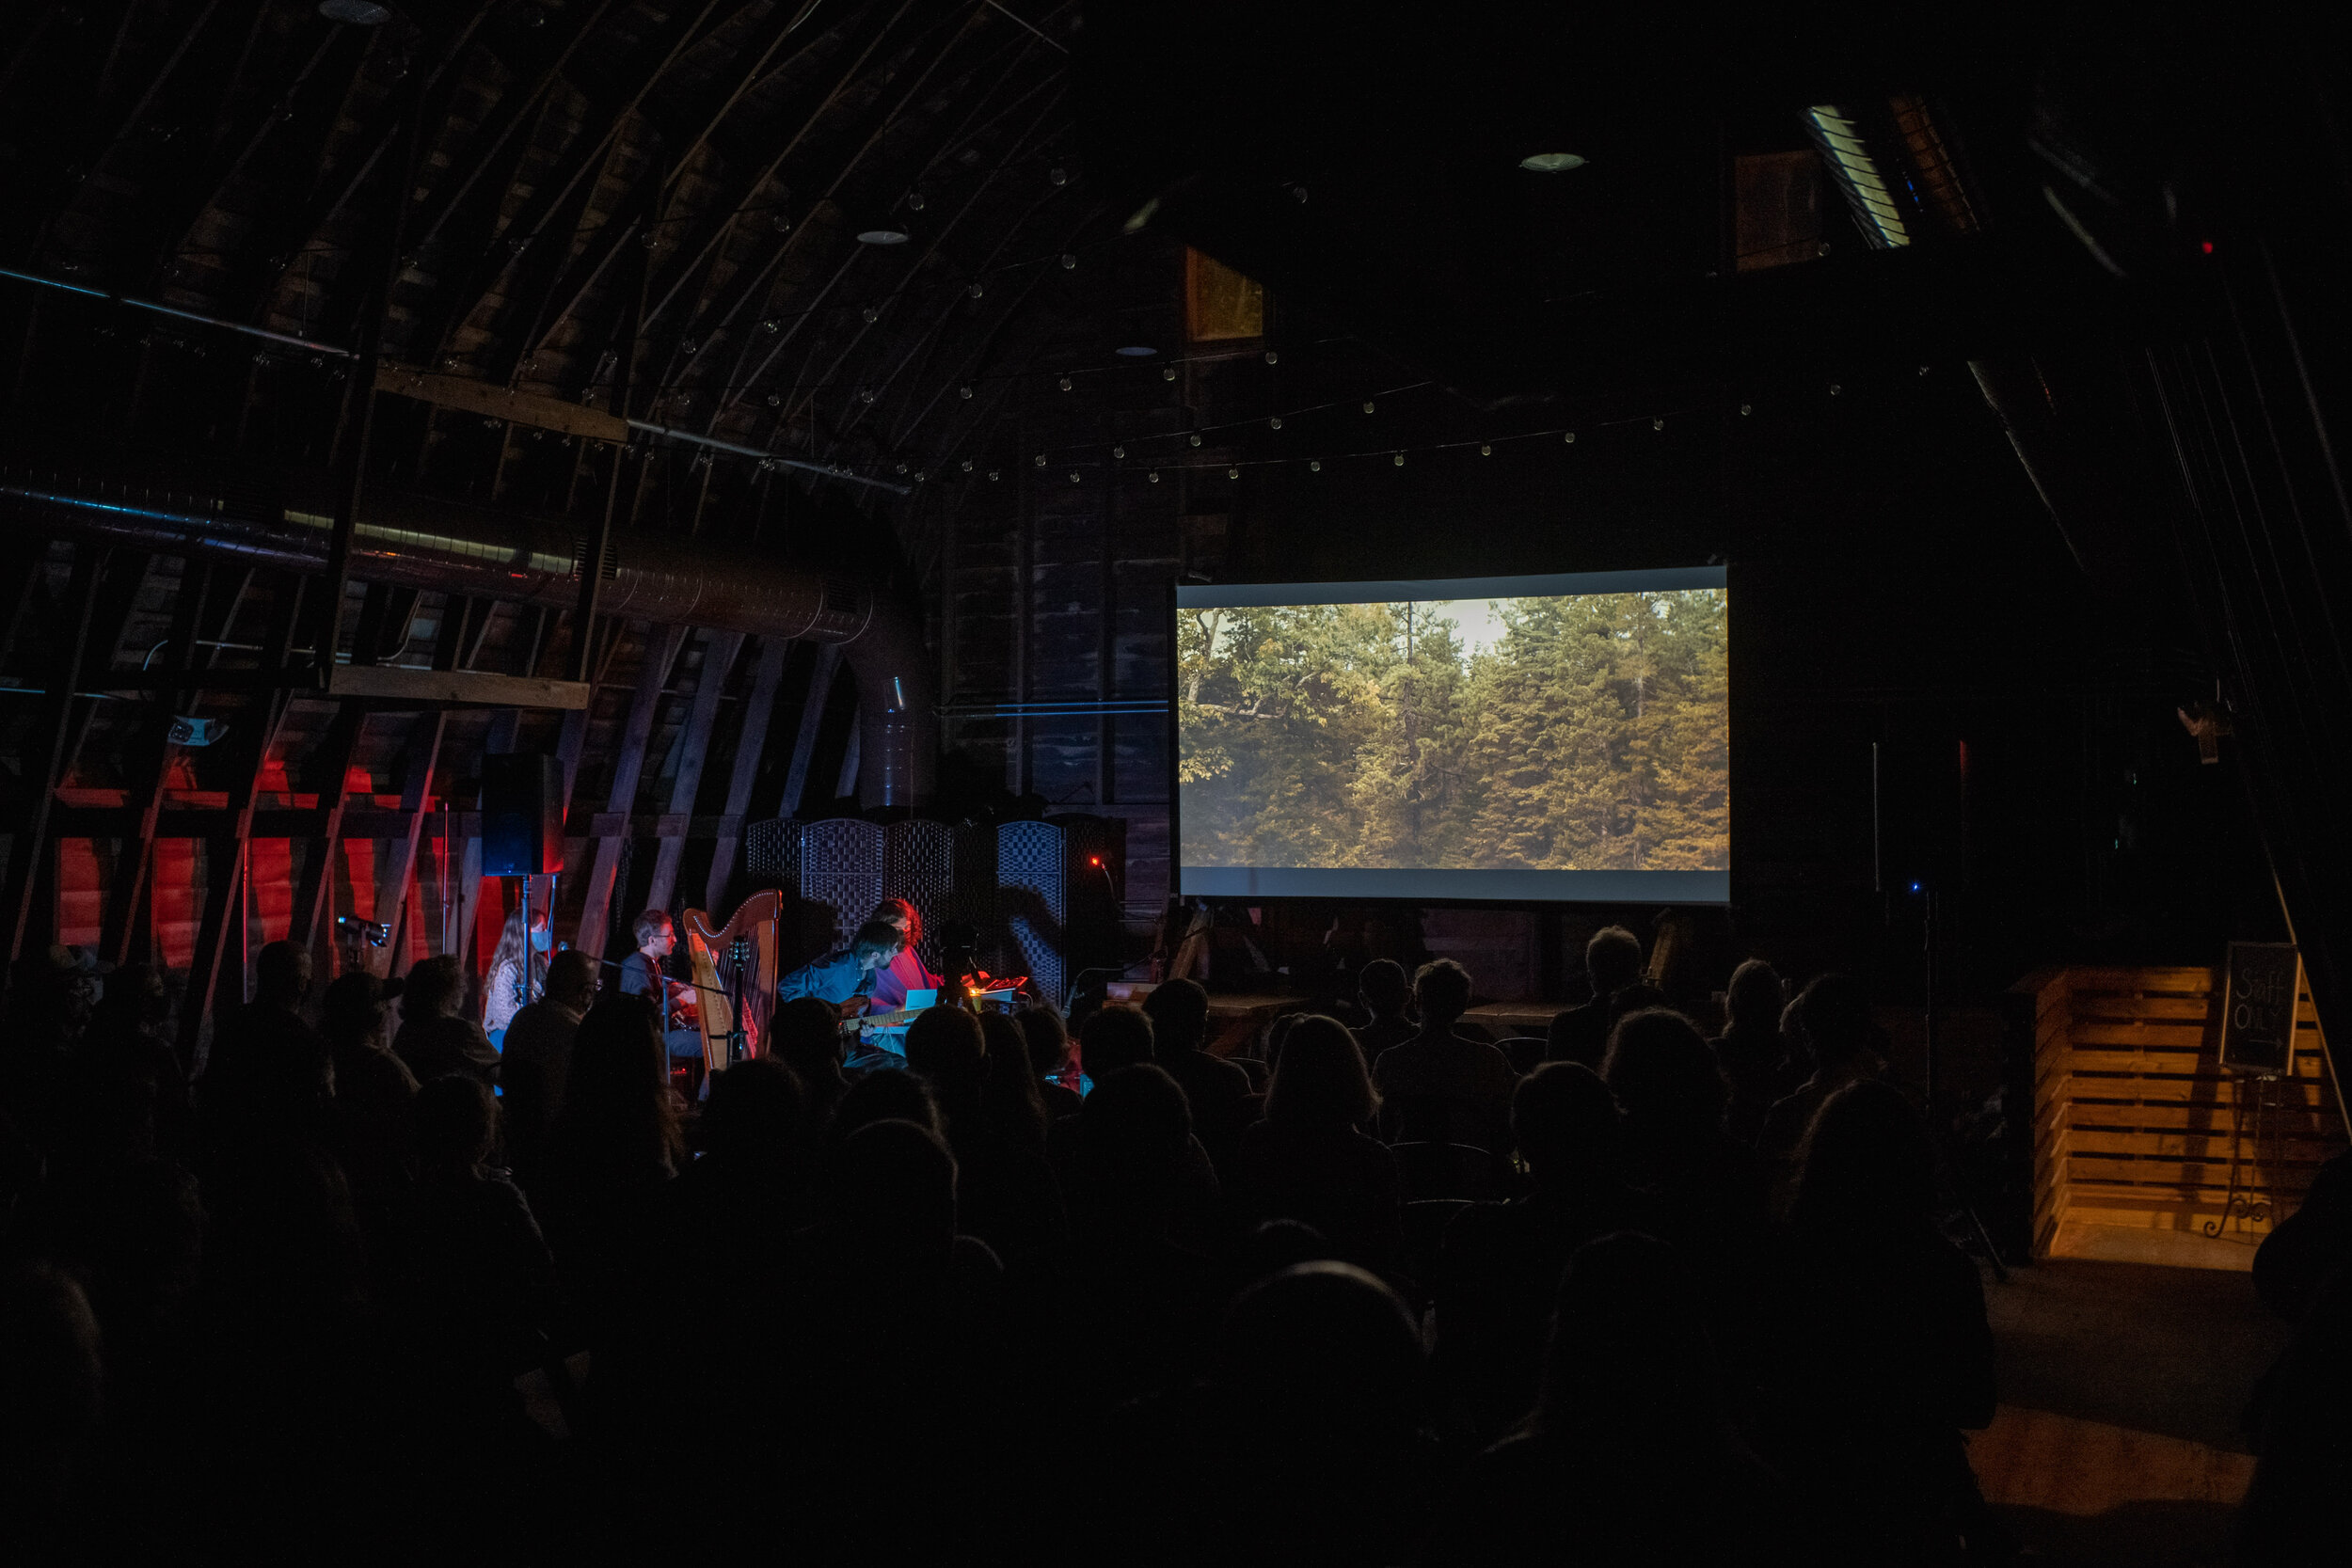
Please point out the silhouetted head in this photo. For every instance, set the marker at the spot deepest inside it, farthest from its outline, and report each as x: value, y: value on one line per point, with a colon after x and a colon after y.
x: 456, y: 1123
x: 1009, y: 1086
x: 944, y: 1045
x: 281, y: 976
x: 806, y: 1035
x: 1384, y: 988
x: 1564, y: 1121
x: 51, y: 1393
x: 1321, y: 1083
x: 617, y: 1104
x: 887, y: 1094
x: 1627, y: 1346
x: 1833, y: 1015
x: 1442, y: 992
x: 1866, y: 1163
x: 1113, y: 1039
x: 1136, y: 1142
x: 1614, y: 959
x: 1322, y: 1342
x: 1179, y: 1011
x: 1755, y: 999
x: 893, y: 1184
x: 1276, y: 1245
x: 436, y: 989
x: 1047, y: 1038
x: 1662, y: 1074
x: 356, y: 1006
x: 571, y: 980
x: 753, y: 1114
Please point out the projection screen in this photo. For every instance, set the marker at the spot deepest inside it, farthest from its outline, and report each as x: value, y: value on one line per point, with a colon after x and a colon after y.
x: 1562, y: 738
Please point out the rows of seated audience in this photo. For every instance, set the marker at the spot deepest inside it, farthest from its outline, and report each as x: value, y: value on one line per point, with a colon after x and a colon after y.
x: 1369, y: 1290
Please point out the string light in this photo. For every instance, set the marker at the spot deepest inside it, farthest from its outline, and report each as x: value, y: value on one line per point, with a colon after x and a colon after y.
x: 1232, y: 473
x: 1118, y: 451
x: 1196, y: 438
x: 1275, y: 422
x: 1485, y: 451
x: 1658, y: 424
x: 1367, y: 405
x: 1315, y: 465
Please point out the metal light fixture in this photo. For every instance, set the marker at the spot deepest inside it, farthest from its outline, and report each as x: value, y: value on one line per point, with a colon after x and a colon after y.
x: 1551, y: 162
x: 882, y: 236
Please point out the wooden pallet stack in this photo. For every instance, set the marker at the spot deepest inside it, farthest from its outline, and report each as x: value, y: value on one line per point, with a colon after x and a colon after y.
x: 2135, y: 1122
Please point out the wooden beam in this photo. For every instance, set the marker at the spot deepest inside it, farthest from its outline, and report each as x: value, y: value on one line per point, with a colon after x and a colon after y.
x: 693, y: 750
x: 385, y: 683
x: 467, y: 828
x: 811, y: 720
x: 751, y: 741
x: 661, y: 650
x: 495, y: 401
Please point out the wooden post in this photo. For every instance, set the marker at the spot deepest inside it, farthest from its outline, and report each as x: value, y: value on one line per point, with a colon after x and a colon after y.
x: 50, y: 734
x: 152, y: 769
x: 225, y: 861
x: 397, y: 877
x: 315, y: 896
x: 592, y: 563
x: 751, y: 741
x: 693, y: 750
x: 811, y: 720
x: 661, y: 650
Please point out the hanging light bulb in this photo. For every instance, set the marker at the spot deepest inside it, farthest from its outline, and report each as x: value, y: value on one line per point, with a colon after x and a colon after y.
x: 1041, y: 460
x: 1073, y: 476
x: 1153, y: 476
x: 1069, y: 261
x: 1367, y: 405
x: 1065, y: 384
x: 871, y: 314
x: 1398, y: 460
x: 1275, y: 422
x: 1315, y: 465
x: 1118, y: 451
x: 974, y: 291
x: 1232, y: 473
x: 1485, y: 451
x: 1658, y: 424
x: 1272, y: 358
x: 964, y: 391
x: 1569, y: 439
x: 967, y: 465
x: 1196, y: 438
x: 1167, y: 373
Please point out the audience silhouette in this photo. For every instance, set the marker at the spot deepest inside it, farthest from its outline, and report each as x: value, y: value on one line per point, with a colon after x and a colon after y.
x: 366, y: 1293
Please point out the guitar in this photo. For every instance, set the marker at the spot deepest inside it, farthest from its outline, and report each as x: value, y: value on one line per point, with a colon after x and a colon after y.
x: 898, y: 1018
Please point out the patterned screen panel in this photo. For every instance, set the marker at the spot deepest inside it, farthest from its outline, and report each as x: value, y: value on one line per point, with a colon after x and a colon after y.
x: 919, y: 867
x: 1032, y: 906
x: 841, y: 872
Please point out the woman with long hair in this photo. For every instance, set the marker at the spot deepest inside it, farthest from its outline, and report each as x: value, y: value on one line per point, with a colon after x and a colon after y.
x: 503, y: 990
x: 907, y: 971
x: 1311, y: 1159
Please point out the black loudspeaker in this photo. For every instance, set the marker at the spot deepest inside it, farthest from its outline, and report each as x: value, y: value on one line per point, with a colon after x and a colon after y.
x: 522, y: 815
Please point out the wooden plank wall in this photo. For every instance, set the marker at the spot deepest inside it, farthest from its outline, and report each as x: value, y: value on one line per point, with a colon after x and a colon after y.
x: 2133, y: 1117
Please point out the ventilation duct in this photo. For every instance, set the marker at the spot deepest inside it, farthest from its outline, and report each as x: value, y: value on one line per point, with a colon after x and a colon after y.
x: 415, y: 541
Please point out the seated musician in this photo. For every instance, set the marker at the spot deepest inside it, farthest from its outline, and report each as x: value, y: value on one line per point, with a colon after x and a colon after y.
x: 844, y: 980
x: 641, y: 975
x: 907, y: 971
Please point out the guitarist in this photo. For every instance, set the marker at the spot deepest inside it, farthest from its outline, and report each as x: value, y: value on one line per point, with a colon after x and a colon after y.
x: 844, y: 980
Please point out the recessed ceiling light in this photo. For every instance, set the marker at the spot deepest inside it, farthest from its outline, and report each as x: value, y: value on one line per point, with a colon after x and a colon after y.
x: 360, y: 13
x: 1138, y: 351
x: 882, y: 236
x: 1551, y: 163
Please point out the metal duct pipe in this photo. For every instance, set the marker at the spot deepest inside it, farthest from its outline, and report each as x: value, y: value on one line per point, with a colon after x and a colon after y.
x: 423, y: 542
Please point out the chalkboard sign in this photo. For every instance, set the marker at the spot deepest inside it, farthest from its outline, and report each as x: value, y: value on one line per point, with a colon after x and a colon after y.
x: 2258, y: 1009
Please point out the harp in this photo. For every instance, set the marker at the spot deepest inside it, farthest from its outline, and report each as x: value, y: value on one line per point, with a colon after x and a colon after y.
x: 734, y: 976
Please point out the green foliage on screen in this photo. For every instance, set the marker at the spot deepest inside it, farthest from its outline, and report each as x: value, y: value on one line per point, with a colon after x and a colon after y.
x: 1591, y: 733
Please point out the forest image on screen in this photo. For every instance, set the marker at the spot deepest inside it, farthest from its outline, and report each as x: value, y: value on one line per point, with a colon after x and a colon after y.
x: 1562, y: 733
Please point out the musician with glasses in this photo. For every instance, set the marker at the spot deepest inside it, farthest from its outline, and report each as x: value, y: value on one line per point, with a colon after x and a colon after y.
x: 641, y: 975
